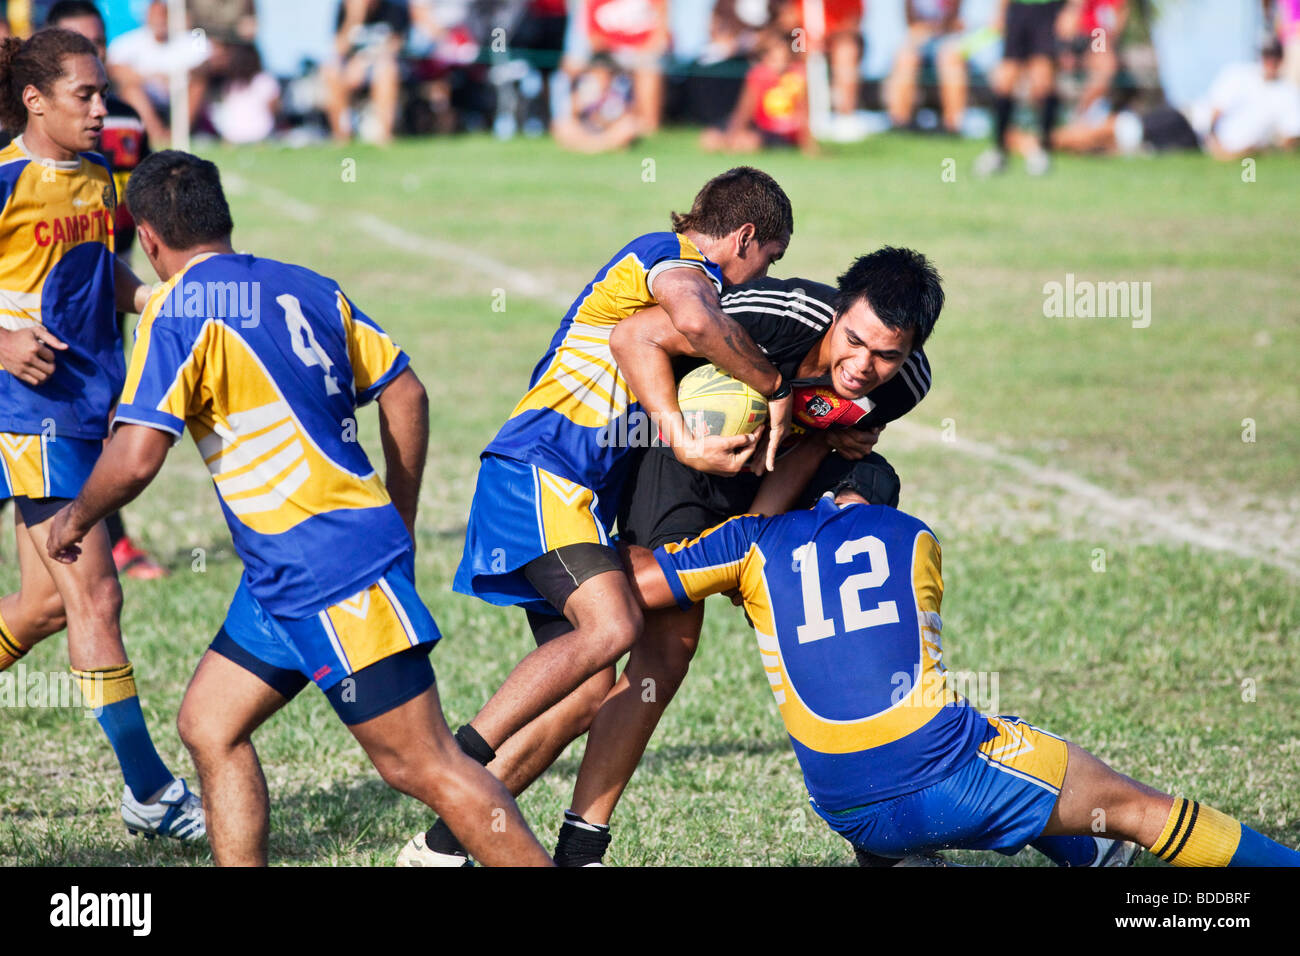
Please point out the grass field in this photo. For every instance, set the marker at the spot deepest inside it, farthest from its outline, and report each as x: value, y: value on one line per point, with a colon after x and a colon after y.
x: 1118, y: 505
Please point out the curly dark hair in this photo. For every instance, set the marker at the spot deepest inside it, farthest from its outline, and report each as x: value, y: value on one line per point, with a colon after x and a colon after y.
x: 38, y: 62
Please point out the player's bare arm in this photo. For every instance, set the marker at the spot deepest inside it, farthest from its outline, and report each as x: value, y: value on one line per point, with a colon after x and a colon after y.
x: 131, y: 294
x: 780, y: 489
x: 644, y: 345
x: 404, y: 432
x: 691, y: 302
x: 131, y: 460
x: 647, y: 579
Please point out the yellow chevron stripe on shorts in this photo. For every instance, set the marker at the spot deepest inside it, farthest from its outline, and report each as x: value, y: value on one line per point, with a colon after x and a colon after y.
x: 1024, y: 750
x: 368, y: 626
x: 565, y: 512
x: 23, y: 459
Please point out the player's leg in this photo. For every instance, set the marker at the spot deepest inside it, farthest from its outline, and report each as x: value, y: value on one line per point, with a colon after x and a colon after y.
x: 950, y: 64
x: 623, y: 727
x: 844, y: 55
x: 1178, y: 830
x: 902, y: 82
x: 414, y: 751
x: 1042, y: 90
x: 36, y: 610
x: 226, y: 701
x: 606, y: 622
x: 93, y: 602
x: 1003, y: 81
x: 385, y: 87
x: 524, y: 757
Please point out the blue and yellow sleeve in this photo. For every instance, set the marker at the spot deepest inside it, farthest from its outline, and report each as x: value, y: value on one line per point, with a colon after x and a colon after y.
x: 711, y: 563
x: 164, y: 379
x: 672, y: 251
x: 376, y: 359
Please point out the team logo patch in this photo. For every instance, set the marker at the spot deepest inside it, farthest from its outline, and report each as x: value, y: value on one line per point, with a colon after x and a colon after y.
x: 817, y: 406
x: 110, y: 197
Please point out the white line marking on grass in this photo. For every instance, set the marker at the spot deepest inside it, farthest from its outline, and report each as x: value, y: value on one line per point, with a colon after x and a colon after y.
x: 1137, y: 510
x: 1131, y: 509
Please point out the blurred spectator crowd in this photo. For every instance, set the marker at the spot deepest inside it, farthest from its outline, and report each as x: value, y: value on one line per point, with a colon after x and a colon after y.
x: 1031, y: 75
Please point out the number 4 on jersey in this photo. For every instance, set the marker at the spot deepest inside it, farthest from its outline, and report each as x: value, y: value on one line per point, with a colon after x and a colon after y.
x: 817, y: 625
x: 304, y: 341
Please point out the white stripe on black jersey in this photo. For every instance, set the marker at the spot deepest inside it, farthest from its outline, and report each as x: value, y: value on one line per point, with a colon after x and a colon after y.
x: 794, y: 300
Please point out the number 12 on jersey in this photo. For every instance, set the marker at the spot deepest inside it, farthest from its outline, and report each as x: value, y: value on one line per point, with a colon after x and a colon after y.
x: 816, y: 624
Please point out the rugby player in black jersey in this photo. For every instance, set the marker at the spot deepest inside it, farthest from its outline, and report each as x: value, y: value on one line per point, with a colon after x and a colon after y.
x: 855, y: 357
x: 849, y: 361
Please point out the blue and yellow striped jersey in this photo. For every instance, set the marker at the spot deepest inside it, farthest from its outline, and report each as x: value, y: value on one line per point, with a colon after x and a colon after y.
x: 56, y: 270
x: 267, y: 363
x: 576, y: 395
x: 845, y: 608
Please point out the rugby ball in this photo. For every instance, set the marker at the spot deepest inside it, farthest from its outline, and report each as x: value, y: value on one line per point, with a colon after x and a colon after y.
x: 714, y: 403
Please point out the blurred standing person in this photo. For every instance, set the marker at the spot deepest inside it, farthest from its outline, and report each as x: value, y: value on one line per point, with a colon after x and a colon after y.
x: 371, y: 34
x: 635, y: 34
x: 843, y: 32
x: 1029, y: 49
x: 975, y: 46
x: 540, y: 38
x: 141, y: 62
x: 61, y: 353
x: 929, y: 24
x: 123, y: 142
x: 1090, y: 30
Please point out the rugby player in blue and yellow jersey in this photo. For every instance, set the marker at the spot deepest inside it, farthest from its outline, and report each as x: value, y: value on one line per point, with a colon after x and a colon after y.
x: 844, y: 601
x: 549, y: 483
x: 267, y: 363
x: 61, y: 353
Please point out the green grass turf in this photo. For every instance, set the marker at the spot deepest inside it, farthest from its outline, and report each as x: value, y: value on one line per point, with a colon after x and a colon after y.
x: 1177, y: 664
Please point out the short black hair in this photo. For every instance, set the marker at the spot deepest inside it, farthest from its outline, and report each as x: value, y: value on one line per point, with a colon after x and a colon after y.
x: 69, y: 9
x: 873, y: 478
x: 179, y: 196
x: 900, y: 285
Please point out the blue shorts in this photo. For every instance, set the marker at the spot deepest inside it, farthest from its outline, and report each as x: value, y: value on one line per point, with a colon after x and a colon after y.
x: 1000, y: 799
x: 45, y: 466
x: 520, y: 512
x: 376, y: 624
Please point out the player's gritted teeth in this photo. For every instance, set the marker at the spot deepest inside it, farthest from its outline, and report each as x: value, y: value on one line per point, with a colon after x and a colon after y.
x: 854, y: 386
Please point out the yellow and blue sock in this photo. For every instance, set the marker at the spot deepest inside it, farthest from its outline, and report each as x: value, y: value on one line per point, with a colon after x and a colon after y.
x: 1199, y: 835
x: 10, y: 649
x: 111, y: 692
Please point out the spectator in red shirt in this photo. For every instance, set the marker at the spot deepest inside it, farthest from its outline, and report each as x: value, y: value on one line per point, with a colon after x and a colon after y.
x: 773, y: 105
